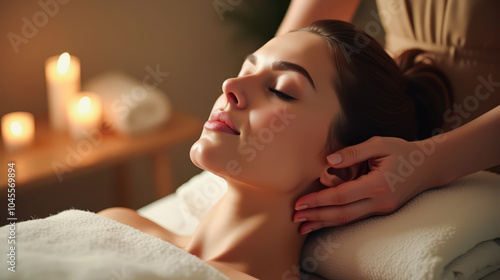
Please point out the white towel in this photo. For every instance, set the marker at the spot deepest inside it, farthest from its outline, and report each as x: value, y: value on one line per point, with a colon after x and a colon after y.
x: 130, y: 106
x: 82, y: 245
x: 447, y: 233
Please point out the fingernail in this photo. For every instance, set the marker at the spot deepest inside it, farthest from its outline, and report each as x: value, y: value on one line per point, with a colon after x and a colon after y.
x: 334, y: 159
x: 301, y: 207
x: 307, y: 231
x: 300, y: 220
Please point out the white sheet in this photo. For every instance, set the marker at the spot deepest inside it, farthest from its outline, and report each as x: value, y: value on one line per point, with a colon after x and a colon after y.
x: 77, y: 244
x: 182, y: 211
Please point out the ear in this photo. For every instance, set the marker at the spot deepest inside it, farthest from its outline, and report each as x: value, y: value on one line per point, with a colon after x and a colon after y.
x: 332, y: 177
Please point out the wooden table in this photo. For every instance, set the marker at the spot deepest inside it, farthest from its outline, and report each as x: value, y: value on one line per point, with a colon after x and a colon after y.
x: 55, y: 156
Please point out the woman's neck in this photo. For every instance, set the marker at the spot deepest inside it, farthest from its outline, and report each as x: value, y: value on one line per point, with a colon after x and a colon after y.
x: 252, y: 230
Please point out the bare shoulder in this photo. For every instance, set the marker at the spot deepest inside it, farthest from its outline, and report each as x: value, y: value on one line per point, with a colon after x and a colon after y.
x: 131, y: 218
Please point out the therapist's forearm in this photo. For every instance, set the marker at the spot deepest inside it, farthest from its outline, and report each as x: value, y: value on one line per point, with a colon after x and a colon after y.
x: 304, y: 12
x: 472, y: 147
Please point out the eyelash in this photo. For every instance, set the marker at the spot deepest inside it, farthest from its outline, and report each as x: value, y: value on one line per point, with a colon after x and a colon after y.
x: 281, y: 95
x: 278, y: 94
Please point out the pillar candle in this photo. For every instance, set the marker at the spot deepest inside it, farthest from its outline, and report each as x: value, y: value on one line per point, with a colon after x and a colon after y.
x: 84, y: 114
x: 62, y: 74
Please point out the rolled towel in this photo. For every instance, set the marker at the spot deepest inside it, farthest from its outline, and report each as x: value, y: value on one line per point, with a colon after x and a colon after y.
x: 446, y: 233
x: 129, y: 106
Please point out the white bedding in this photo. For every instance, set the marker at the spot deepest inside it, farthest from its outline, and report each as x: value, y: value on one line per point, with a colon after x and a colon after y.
x: 82, y: 245
x: 183, y: 210
x: 447, y: 233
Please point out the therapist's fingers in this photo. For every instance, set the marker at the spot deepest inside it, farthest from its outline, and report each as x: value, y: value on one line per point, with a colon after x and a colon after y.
x: 366, y: 186
x: 371, y: 148
x: 317, y: 218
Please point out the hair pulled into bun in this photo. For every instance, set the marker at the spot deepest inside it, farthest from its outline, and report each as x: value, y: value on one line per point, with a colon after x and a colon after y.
x: 429, y: 88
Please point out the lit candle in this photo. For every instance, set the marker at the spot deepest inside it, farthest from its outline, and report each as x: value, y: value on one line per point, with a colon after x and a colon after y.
x: 84, y: 114
x: 63, y: 82
x: 18, y: 130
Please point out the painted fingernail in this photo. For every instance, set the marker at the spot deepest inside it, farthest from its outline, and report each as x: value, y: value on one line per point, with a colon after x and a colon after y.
x: 301, y: 207
x: 334, y: 159
x: 307, y: 231
x: 300, y: 220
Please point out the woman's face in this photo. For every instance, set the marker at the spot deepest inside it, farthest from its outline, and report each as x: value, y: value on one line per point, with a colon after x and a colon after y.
x: 269, y: 127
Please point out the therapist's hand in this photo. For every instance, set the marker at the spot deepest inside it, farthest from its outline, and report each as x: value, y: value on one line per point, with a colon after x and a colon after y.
x: 399, y: 170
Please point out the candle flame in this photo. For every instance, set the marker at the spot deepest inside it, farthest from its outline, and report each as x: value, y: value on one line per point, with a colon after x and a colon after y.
x: 63, y: 63
x: 84, y: 105
x: 16, y: 128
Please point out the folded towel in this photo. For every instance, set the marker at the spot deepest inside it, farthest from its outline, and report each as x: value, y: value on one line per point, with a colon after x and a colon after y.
x: 129, y: 106
x: 446, y: 233
x: 82, y: 245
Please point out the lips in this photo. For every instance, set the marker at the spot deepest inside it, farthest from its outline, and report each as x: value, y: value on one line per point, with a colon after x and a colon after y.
x: 220, y: 121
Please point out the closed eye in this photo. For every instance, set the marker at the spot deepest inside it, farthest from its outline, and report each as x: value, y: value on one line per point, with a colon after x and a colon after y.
x: 281, y: 95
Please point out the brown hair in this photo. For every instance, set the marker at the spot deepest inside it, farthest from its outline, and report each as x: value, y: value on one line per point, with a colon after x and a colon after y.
x: 405, y: 98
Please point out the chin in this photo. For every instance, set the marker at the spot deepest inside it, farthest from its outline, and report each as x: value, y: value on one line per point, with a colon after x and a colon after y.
x: 210, y: 155
x: 195, y: 154
x: 207, y: 154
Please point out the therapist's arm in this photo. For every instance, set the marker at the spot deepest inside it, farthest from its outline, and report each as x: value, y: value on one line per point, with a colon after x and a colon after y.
x: 302, y: 13
x: 472, y: 147
x: 400, y: 170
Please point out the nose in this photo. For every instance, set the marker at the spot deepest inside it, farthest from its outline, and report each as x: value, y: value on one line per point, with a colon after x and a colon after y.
x: 234, y: 92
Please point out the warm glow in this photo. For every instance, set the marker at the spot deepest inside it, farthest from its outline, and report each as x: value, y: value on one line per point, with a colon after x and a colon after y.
x: 84, y: 105
x: 84, y: 114
x: 16, y: 128
x: 63, y: 63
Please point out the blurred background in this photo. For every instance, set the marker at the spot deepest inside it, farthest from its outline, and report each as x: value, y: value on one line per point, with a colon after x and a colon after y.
x: 200, y: 43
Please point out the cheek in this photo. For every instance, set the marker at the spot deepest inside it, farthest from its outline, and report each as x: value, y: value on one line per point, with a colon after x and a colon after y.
x: 283, y: 149
x: 303, y: 143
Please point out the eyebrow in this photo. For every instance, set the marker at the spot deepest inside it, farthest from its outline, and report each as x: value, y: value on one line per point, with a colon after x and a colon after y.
x: 286, y: 66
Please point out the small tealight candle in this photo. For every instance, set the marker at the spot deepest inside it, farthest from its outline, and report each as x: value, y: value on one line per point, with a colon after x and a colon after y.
x: 18, y: 130
x: 63, y: 82
x: 84, y: 114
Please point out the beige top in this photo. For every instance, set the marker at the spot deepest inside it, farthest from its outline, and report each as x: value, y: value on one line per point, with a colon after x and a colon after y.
x: 464, y: 37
